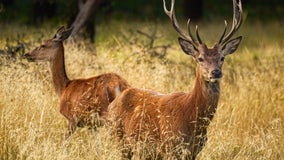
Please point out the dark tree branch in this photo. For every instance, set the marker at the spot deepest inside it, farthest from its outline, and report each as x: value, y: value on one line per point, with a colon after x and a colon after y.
x: 86, y: 10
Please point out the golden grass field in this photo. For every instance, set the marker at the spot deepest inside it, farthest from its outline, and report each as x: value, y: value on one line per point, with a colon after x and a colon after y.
x: 248, y: 125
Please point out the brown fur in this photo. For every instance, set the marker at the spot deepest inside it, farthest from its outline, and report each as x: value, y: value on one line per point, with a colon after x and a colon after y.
x: 167, y: 120
x: 83, y: 102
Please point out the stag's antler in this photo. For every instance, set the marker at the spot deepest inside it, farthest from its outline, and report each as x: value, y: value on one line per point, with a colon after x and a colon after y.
x: 189, y: 36
x: 237, y: 21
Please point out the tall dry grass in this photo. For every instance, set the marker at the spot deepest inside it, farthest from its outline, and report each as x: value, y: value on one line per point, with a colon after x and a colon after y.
x: 249, y: 123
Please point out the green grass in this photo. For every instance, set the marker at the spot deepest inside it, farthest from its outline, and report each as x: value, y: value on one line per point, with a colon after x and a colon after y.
x: 249, y: 123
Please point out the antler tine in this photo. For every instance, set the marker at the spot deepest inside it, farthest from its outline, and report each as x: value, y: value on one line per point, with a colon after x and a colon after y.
x: 189, y: 31
x: 171, y: 14
x: 197, y: 35
x: 166, y: 10
x: 224, y: 32
x: 237, y: 21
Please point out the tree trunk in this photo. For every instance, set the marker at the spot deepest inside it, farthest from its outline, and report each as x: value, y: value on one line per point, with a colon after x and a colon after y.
x: 86, y: 10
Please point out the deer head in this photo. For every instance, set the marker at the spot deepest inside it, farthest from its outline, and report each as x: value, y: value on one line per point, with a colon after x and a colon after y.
x: 209, y: 60
x: 48, y: 49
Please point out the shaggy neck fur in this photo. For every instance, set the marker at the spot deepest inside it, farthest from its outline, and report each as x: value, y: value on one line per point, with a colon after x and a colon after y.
x: 59, y: 76
x: 206, y: 96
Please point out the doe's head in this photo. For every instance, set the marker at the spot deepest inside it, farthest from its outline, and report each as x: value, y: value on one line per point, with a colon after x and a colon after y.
x: 209, y: 60
x: 49, y: 49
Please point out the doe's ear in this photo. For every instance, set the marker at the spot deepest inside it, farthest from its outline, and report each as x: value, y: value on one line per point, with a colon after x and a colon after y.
x: 62, y: 33
x: 231, y: 46
x: 187, y: 47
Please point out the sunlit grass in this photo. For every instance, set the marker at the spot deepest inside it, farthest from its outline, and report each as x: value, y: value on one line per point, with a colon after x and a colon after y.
x: 249, y: 123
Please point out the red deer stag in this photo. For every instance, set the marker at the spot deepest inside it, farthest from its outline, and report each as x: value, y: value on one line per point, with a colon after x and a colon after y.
x: 82, y: 101
x: 177, y: 122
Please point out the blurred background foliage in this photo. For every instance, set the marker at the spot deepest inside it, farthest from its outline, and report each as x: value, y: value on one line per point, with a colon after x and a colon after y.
x: 37, y: 11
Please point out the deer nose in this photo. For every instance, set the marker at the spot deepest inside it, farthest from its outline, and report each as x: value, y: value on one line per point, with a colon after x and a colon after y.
x: 216, y: 73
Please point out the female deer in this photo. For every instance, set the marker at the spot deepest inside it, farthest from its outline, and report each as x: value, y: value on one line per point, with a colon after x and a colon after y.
x: 178, y: 121
x: 82, y: 101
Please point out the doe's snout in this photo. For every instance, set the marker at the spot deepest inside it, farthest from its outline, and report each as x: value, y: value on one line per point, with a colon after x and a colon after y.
x: 26, y: 55
x: 29, y: 57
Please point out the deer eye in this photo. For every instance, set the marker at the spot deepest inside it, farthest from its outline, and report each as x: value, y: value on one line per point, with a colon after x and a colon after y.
x: 200, y: 60
x: 42, y: 46
x: 222, y: 59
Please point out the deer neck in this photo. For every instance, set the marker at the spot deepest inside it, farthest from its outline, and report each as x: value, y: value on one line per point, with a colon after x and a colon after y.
x: 206, y: 97
x: 59, y: 76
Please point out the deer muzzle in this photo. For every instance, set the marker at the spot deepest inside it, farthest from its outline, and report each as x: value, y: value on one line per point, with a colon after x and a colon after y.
x: 216, y: 75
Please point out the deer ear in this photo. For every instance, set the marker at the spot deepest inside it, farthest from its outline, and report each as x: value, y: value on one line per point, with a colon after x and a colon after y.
x: 187, y: 47
x: 62, y: 34
x: 231, y: 46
